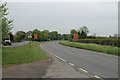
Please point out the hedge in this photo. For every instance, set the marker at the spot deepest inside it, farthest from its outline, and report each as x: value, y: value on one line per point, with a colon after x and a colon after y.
x: 111, y: 42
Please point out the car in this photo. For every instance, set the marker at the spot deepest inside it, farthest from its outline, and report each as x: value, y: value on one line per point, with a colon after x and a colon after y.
x: 7, y: 42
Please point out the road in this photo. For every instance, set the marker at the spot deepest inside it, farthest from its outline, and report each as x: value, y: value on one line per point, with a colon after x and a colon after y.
x: 18, y: 44
x: 102, y: 65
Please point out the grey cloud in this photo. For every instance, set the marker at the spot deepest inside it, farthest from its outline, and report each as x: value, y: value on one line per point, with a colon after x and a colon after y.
x: 100, y: 18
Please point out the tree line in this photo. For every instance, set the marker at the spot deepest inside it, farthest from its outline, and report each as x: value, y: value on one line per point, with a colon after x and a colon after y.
x: 6, y: 26
x: 46, y: 35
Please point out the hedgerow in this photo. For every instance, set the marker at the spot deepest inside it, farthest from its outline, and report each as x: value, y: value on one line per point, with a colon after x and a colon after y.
x: 111, y: 42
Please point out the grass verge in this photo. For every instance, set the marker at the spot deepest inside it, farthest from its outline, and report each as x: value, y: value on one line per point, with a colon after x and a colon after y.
x: 23, y: 54
x: 93, y: 47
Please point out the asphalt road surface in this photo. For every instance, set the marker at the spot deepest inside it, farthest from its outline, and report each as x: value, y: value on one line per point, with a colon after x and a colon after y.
x: 102, y: 65
x: 17, y: 44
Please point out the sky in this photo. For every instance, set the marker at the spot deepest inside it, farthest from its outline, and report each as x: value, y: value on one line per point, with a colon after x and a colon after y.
x: 101, y: 18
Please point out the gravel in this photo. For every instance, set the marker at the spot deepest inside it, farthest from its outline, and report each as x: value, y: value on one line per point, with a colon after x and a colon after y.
x: 32, y: 70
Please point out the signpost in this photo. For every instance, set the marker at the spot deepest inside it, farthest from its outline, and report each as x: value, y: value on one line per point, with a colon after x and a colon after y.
x: 75, y: 37
x: 35, y: 36
x: 29, y: 36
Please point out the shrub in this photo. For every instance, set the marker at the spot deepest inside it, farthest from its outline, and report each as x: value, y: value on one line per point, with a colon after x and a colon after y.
x: 111, y: 42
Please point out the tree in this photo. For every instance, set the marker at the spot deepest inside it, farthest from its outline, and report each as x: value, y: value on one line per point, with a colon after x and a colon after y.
x: 54, y: 35
x: 45, y: 35
x: 20, y: 35
x: 82, y: 32
x: 39, y: 33
x: 6, y: 23
x: 116, y: 35
x: 65, y: 36
x: 60, y: 37
x: 72, y: 32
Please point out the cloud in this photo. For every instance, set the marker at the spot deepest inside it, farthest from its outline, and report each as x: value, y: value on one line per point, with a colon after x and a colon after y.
x: 100, y: 18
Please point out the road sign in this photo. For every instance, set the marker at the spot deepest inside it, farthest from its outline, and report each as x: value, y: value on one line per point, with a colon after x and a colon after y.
x: 35, y: 36
x: 75, y: 37
x: 29, y: 34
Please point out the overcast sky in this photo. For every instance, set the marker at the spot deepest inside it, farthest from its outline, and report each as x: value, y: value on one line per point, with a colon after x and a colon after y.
x: 100, y: 18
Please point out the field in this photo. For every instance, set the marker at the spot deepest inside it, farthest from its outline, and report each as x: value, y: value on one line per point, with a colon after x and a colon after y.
x: 93, y: 47
x: 23, y: 54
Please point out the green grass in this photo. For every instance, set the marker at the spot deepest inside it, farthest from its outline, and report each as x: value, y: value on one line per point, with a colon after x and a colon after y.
x: 23, y: 54
x: 93, y: 47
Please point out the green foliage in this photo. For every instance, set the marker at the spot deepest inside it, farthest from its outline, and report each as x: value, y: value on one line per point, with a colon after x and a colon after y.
x: 93, y: 47
x: 40, y: 35
x: 46, y: 35
x: 82, y: 32
x: 19, y: 36
x: 72, y: 32
x: 82, y: 35
x: 65, y: 36
x: 5, y: 22
x: 107, y: 41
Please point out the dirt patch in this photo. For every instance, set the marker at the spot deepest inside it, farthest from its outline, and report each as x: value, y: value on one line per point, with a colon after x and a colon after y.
x: 32, y: 70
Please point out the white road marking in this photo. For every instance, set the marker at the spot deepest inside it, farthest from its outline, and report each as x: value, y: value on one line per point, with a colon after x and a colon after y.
x: 41, y: 46
x: 62, y: 59
x: 83, y: 70
x: 66, y: 61
x: 96, y: 76
x: 55, y: 55
x: 71, y: 64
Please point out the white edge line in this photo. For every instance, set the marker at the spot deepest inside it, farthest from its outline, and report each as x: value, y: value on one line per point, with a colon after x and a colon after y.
x: 71, y: 64
x: 68, y: 63
x: 58, y: 57
x: 83, y: 70
x: 55, y: 55
x: 96, y: 76
x: 62, y: 59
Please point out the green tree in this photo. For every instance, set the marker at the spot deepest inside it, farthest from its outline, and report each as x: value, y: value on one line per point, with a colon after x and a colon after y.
x: 72, y: 32
x: 53, y: 35
x: 65, y: 36
x: 5, y: 22
x: 82, y: 32
x: 60, y: 37
x: 20, y: 35
x: 45, y: 35
x: 39, y: 33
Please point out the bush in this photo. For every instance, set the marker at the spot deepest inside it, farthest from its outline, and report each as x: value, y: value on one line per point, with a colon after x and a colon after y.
x: 111, y: 42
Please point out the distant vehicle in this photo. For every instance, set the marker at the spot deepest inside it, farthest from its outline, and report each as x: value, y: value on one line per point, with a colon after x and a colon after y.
x: 7, y: 42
